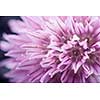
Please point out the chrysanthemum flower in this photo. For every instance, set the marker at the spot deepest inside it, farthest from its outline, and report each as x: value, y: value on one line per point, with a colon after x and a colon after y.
x: 53, y: 49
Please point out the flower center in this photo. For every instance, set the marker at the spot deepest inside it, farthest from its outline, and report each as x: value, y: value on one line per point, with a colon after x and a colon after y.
x: 76, y: 52
x: 79, y: 48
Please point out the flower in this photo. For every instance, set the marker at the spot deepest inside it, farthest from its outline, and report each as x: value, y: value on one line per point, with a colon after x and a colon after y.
x: 52, y: 49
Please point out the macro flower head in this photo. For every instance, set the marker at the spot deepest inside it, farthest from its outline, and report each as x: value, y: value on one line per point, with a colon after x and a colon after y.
x: 53, y: 49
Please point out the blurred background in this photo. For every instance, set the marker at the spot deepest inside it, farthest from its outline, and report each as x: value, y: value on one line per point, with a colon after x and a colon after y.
x: 4, y: 28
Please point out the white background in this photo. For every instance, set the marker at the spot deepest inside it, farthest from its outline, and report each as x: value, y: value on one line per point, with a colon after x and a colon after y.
x: 30, y: 91
x: 27, y: 91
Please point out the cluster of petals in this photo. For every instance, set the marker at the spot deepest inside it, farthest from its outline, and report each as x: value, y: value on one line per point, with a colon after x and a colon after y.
x: 53, y: 49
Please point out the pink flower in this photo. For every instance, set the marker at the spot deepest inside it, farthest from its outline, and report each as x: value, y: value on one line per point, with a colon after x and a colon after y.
x: 53, y: 49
